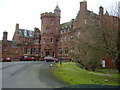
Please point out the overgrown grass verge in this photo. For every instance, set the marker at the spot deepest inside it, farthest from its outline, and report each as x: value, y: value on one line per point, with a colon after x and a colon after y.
x: 71, y: 74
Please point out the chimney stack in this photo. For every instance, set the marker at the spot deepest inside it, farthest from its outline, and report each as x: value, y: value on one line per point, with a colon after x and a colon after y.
x: 83, y: 5
x: 101, y: 10
x: 17, y: 26
x: 5, y: 36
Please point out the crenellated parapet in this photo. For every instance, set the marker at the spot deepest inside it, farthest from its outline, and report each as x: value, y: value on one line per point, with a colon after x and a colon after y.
x: 48, y: 14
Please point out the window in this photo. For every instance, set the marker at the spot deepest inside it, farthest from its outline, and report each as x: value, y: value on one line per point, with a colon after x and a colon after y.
x: 61, y: 32
x: 47, y: 31
x: 44, y: 40
x: 61, y: 39
x: 85, y: 21
x: 37, y: 51
x: 31, y: 33
x: 66, y: 50
x: 64, y: 38
x: 78, y: 51
x: 25, y: 33
x: 72, y: 49
x: 56, y: 28
x: 42, y: 54
x: 26, y: 51
x: 36, y: 41
x: 31, y: 50
x: 79, y: 34
x: 5, y: 48
x: 53, y: 54
x: 60, y: 51
x: 51, y: 40
x: 19, y: 32
x: 51, y: 22
x: 71, y: 38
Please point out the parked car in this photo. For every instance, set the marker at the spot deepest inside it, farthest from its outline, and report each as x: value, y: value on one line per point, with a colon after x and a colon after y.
x: 49, y: 58
x: 26, y: 58
x: 6, y: 60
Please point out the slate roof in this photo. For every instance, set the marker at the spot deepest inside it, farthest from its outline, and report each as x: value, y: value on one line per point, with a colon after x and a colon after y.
x: 13, y: 44
x: 25, y: 33
x: 89, y: 13
x: 57, y: 8
x: 106, y: 13
x: 66, y: 24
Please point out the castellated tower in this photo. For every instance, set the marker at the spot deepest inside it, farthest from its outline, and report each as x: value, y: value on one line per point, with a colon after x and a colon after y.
x: 50, y: 26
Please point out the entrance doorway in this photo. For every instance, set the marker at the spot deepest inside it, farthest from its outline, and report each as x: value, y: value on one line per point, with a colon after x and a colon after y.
x: 47, y: 53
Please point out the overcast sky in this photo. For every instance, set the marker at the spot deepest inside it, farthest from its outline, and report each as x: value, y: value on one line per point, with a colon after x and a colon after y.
x: 27, y: 12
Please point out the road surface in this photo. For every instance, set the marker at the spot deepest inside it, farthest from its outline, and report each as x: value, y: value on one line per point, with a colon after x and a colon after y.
x: 29, y: 74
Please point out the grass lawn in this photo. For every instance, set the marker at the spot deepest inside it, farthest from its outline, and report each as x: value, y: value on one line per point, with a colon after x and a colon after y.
x: 71, y: 74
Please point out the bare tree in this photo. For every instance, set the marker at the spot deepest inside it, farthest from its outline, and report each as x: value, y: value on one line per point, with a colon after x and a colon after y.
x: 100, y: 41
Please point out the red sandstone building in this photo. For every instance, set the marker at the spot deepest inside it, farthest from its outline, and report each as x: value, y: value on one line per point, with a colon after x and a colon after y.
x: 57, y: 39
x: 24, y: 43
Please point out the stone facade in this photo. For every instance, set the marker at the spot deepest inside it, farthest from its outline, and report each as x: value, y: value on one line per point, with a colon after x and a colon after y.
x: 57, y: 40
x: 24, y: 43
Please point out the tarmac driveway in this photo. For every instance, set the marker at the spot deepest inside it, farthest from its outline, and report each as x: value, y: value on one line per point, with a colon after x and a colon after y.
x: 30, y: 74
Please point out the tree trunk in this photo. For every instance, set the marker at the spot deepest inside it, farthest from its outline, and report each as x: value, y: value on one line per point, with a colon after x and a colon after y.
x: 118, y: 47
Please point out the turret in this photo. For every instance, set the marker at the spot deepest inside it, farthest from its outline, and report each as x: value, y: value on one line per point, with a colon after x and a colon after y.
x: 57, y: 11
x: 50, y: 22
x: 101, y: 10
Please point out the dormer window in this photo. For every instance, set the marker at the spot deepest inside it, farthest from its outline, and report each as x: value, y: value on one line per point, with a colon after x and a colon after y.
x: 25, y: 32
x: 31, y: 33
x: 19, y: 32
